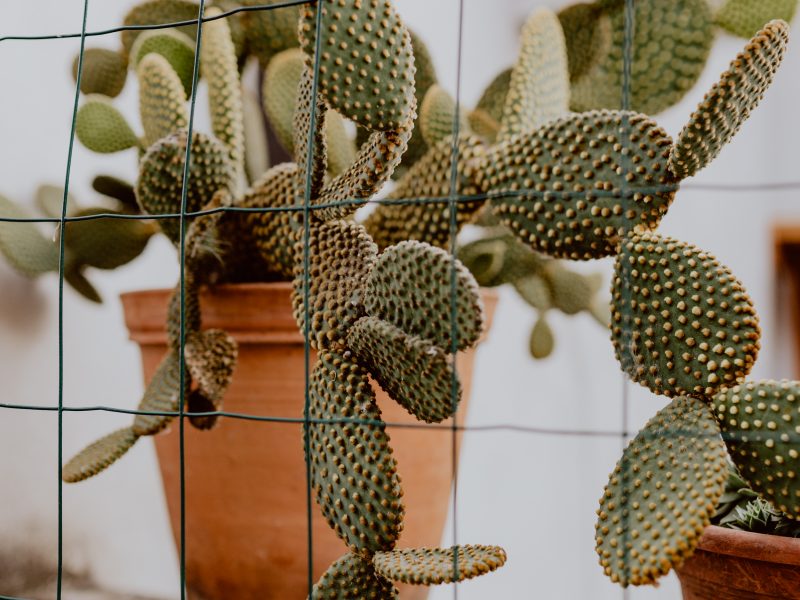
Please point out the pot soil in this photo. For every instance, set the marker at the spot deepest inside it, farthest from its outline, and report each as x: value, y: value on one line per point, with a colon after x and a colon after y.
x: 246, y: 500
x: 739, y: 565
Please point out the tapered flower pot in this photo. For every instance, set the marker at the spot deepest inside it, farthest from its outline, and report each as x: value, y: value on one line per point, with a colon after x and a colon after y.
x: 246, y: 499
x: 739, y: 565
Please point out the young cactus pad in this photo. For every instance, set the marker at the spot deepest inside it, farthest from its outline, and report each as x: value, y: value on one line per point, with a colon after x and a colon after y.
x: 101, y: 127
x: 99, y: 455
x: 745, y: 17
x: 353, y: 577
x: 662, y: 494
x: 761, y: 424
x: 352, y: 467
x: 104, y: 72
x: 682, y: 323
x: 433, y: 566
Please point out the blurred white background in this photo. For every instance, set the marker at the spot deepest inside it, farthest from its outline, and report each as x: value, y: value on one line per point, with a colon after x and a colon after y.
x: 535, y: 495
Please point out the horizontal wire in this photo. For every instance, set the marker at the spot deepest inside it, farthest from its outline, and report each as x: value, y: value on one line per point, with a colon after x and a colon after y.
x: 65, y: 36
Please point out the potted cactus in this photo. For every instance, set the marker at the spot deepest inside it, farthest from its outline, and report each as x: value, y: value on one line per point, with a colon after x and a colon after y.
x: 268, y: 267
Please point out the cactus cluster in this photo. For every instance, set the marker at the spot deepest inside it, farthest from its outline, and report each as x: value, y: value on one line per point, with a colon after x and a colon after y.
x: 362, y: 306
x: 597, y: 184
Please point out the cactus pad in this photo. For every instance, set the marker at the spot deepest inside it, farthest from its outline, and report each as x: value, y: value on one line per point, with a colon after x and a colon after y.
x: 352, y: 467
x: 539, y: 88
x: 745, y: 17
x: 729, y: 103
x: 413, y: 285
x: 493, y: 99
x: 118, y: 189
x: 429, y: 178
x: 279, y: 93
x: 662, y: 494
x: 211, y: 358
x: 99, y: 455
x: 26, y: 249
x: 161, y: 395
x: 413, y: 371
x: 106, y: 243
x: 681, y: 322
x: 104, y: 72
x: 73, y: 275
x: 353, y: 577
x: 162, y: 101
x: 161, y: 177
x: 573, y: 188
x: 177, y: 49
x: 761, y: 424
x: 366, y: 61
x: 268, y: 32
x: 587, y: 32
x: 499, y: 259
x: 541, y: 341
x: 432, y: 566
x: 341, y: 255
x: 571, y: 292
x: 305, y: 141
x: 437, y: 116
x: 159, y: 12
x: 671, y: 43
x: 219, y: 68
x: 102, y: 128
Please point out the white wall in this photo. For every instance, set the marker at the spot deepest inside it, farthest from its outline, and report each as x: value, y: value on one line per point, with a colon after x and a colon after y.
x: 535, y: 495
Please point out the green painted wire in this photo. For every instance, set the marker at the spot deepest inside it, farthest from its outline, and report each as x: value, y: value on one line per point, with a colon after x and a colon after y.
x: 62, y: 224
x: 182, y: 336
x: 453, y: 210
x: 306, y: 301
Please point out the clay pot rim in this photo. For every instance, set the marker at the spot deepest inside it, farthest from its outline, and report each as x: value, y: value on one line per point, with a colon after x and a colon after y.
x: 753, y: 546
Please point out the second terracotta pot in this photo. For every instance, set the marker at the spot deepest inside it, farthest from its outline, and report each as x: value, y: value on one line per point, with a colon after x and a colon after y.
x: 246, y: 499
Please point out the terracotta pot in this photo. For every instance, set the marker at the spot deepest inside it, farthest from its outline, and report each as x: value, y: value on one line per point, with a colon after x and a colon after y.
x: 246, y: 501
x: 739, y: 565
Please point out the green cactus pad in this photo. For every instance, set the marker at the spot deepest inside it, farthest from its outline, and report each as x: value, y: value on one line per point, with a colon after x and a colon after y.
x: 541, y: 341
x: 746, y: 17
x: 413, y: 285
x: 499, y: 259
x: 729, y: 102
x: 279, y: 93
x: 573, y: 188
x: 219, y: 68
x: 106, y: 243
x: 50, y: 199
x: 273, y: 232
x: 160, y: 395
x: 341, y: 255
x: 118, y: 189
x: 437, y: 116
x: 101, y: 127
x: 428, y: 179
x: 177, y: 49
x: 535, y: 290
x: 671, y: 43
x: 493, y: 99
x: 587, y: 32
x: 432, y: 566
x: 413, y: 371
x: 104, y: 72
x: 483, y: 125
x: 98, y: 456
x: 760, y: 422
x: 162, y: 101
x: 571, y: 292
x: 662, y: 494
x: 350, y: 578
x: 352, y: 467
x: 158, y: 189
x: 539, y: 88
x: 159, y: 12
x: 191, y: 312
x: 268, y: 32
x: 211, y: 358
x: 366, y: 61
x: 681, y: 322
x: 73, y: 275
x: 25, y: 248
x: 304, y: 139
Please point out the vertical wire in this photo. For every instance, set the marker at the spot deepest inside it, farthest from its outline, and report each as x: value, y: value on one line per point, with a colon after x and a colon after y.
x: 182, y: 251
x: 306, y: 294
x: 627, y: 61
x: 453, y: 210
x: 62, y: 229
